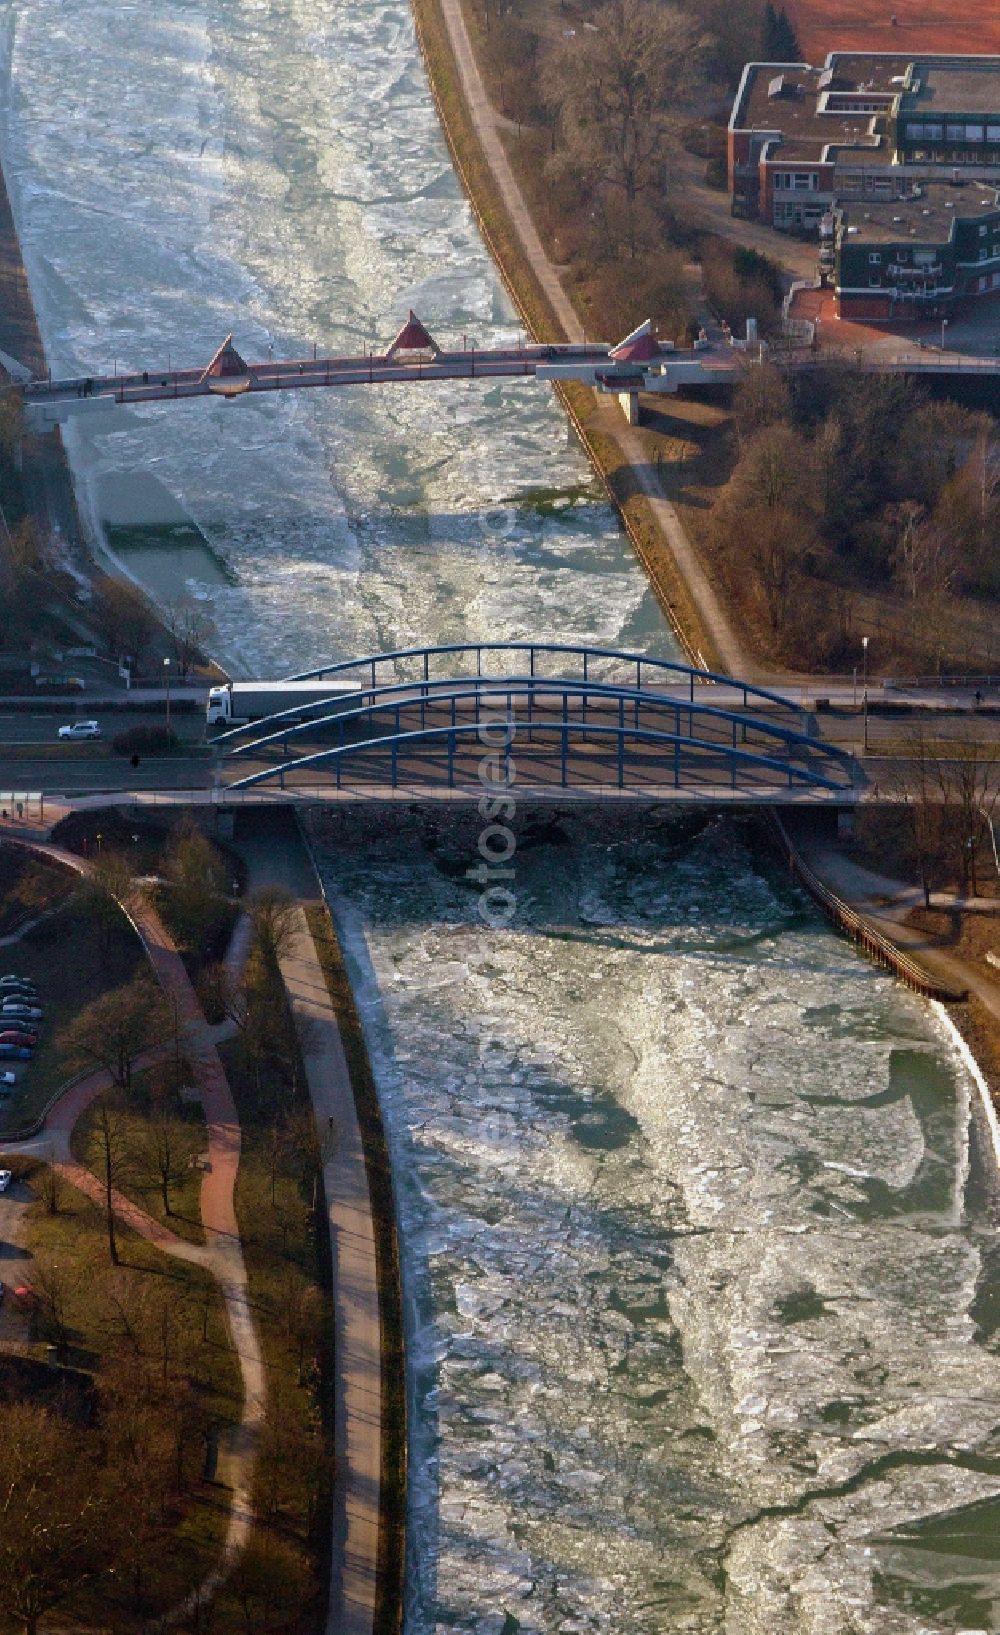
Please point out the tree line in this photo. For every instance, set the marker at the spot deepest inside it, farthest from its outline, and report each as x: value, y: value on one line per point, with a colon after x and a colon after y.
x: 847, y: 484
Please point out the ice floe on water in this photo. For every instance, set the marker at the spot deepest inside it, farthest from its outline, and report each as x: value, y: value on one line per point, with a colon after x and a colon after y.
x: 279, y: 171
x: 688, y: 1241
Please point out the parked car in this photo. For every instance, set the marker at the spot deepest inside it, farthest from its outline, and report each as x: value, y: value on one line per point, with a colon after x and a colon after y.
x: 24, y: 991
x: 8, y: 1078
x: 18, y: 1036
x: 12, y: 981
x: 5, y: 1179
x: 15, y: 1008
x: 80, y: 729
x: 15, y: 1053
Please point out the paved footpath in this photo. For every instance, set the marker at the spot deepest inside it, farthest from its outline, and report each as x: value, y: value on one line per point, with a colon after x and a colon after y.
x: 886, y: 903
x: 284, y: 862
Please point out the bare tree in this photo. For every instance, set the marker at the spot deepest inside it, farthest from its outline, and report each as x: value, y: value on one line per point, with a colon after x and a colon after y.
x: 614, y: 85
x: 922, y: 556
x: 50, y: 1189
x: 190, y: 625
x: 122, y: 618
x: 761, y: 399
x: 915, y: 786
x: 100, y: 893
x: 197, y: 880
x: 50, y: 1288
x: 273, y: 917
x: 113, y: 1149
x: 775, y: 469
x: 114, y: 1029
x: 969, y: 781
x: 64, y: 1517
x: 163, y: 1153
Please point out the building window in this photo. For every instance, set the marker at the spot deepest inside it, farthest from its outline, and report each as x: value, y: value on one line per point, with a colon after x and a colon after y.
x: 875, y: 281
x: 993, y: 133
x: 974, y: 133
x: 782, y: 178
x: 804, y: 181
x: 984, y: 254
x: 874, y: 258
x: 933, y: 133
x: 955, y: 133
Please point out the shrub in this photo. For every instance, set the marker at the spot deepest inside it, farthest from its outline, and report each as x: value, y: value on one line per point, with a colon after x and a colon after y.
x: 152, y: 740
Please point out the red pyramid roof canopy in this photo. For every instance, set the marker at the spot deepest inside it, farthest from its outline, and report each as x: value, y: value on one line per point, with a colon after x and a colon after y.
x: 639, y: 347
x: 227, y: 373
x: 413, y: 337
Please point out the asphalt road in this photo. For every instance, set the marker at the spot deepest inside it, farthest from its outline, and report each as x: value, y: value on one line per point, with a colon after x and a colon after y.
x: 42, y: 727
x: 86, y: 767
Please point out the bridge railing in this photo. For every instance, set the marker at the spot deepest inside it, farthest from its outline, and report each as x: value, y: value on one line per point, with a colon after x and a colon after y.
x: 417, y: 663
x: 715, y: 724
x: 660, y: 759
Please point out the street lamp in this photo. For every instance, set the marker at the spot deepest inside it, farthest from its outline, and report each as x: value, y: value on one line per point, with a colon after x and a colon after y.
x: 864, y: 687
x: 944, y: 326
x: 166, y: 668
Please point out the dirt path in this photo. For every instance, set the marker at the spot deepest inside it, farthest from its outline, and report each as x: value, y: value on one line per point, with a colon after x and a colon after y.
x: 357, y: 1328
x: 222, y: 1254
x: 488, y: 125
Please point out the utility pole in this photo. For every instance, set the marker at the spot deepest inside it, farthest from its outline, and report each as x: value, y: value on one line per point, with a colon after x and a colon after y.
x: 864, y: 692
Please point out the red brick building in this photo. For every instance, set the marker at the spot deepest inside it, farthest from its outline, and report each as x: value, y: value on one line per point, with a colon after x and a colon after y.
x: 866, y: 126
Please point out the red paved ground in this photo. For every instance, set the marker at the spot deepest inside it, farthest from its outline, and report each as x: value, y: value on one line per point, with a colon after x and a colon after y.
x: 922, y: 25
x: 976, y: 331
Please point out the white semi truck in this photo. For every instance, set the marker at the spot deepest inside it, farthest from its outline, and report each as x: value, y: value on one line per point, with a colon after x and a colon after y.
x: 240, y: 701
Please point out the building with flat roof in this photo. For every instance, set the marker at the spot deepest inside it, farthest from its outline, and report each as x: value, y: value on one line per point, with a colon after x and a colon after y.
x: 918, y: 257
x: 865, y: 127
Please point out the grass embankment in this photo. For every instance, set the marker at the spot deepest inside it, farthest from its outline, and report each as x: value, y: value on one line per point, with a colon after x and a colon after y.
x: 697, y: 426
x: 72, y: 961
x: 152, y: 1333
x: 29, y: 885
x: 392, y: 1518
x: 201, y: 880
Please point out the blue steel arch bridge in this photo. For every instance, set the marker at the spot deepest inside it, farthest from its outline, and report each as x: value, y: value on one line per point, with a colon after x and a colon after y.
x: 541, y: 720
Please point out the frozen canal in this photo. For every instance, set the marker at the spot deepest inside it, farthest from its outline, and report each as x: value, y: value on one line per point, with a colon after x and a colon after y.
x: 691, y: 1234
x: 695, y: 1239
x: 184, y: 169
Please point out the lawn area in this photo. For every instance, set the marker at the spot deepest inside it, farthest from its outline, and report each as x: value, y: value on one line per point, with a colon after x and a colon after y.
x: 63, y: 956
x: 157, y: 1327
x: 154, y: 850
x: 29, y: 885
x: 154, y: 1129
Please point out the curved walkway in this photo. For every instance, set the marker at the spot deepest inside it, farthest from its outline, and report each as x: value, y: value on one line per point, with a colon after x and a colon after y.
x: 887, y: 902
x: 487, y: 124
x: 221, y: 1255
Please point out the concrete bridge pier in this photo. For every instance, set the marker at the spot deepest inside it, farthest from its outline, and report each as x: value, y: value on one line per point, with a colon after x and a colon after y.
x: 630, y: 406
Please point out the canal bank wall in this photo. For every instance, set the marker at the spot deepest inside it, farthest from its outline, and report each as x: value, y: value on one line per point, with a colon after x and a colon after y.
x: 45, y: 475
